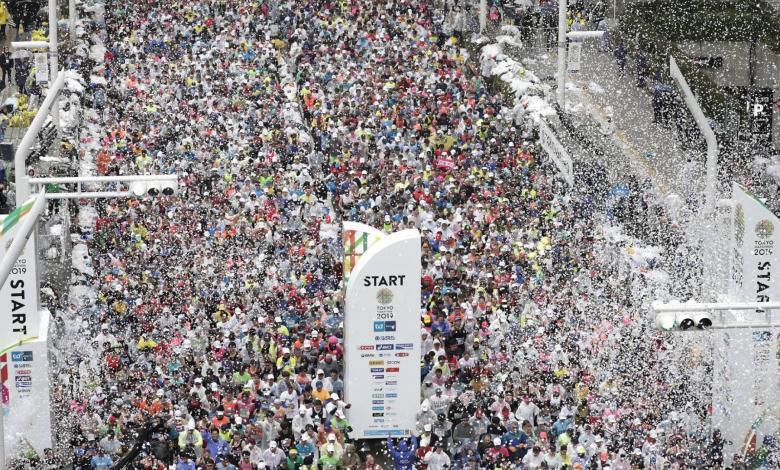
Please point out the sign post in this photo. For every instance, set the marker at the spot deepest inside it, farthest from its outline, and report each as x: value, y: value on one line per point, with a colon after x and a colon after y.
x: 557, y: 152
x: 382, y: 330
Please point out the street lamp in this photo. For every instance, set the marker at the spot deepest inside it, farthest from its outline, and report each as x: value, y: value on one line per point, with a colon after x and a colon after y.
x: 710, y: 190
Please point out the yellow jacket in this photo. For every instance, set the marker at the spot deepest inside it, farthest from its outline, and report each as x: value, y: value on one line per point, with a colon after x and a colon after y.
x: 4, y: 15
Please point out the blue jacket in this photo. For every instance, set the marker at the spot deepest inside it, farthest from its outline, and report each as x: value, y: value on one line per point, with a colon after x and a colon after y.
x: 403, y: 456
x: 218, y: 447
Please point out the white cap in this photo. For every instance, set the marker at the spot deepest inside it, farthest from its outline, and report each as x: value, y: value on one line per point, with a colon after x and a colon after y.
x: 198, y: 380
x: 160, y: 392
x: 331, y: 437
x: 273, y: 444
x: 334, y: 396
x: 497, y: 441
x: 331, y: 448
x: 427, y: 427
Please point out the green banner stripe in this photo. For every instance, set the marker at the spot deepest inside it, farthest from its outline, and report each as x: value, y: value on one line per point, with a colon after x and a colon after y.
x: 14, y: 217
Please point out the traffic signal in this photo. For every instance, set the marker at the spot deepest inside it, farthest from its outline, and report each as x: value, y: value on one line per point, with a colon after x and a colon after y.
x: 683, y: 321
x: 154, y: 188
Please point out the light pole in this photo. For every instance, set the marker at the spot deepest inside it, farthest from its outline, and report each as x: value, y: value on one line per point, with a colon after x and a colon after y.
x: 562, y: 55
x: 23, y: 150
x: 710, y: 189
x: 482, y: 16
x: 72, y: 18
x: 54, y: 61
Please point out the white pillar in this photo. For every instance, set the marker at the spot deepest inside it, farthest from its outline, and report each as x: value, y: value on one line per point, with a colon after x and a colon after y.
x: 562, y: 54
x: 710, y: 190
x: 482, y: 16
x: 53, y: 63
x: 25, y: 146
x: 72, y: 18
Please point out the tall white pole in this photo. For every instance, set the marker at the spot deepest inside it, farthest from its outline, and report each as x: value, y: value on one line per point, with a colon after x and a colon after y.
x: 72, y: 18
x: 710, y: 188
x: 562, y: 55
x: 482, y: 16
x: 24, y: 147
x: 53, y: 61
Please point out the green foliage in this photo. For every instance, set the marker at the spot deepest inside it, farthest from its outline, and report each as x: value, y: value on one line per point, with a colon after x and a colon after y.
x: 658, y: 24
x: 704, y: 20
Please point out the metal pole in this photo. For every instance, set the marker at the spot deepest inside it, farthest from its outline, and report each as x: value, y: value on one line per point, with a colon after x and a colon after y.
x: 696, y: 307
x: 103, y: 179
x: 23, y: 150
x: 710, y: 195
x: 53, y: 60
x: 562, y: 55
x: 710, y: 190
x: 482, y: 16
x: 72, y: 18
x: 584, y: 34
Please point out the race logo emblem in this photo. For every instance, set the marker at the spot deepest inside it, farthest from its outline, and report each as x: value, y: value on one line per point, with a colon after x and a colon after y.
x: 384, y: 296
x: 764, y: 229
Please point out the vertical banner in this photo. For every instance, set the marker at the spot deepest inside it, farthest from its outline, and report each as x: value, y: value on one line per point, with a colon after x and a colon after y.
x: 556, y: 152
x: 19, y: 296
x: 41, y: 62
x: 24, y: 367
x: 382, y: 331
x: 746, y: 379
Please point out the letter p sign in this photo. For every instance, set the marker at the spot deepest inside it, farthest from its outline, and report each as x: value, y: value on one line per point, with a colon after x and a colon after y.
x: 758, y: 109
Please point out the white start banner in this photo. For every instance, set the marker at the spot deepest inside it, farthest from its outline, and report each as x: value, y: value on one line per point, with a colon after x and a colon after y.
x: 746, y: 372
x: 24, y: 363
x: 382, y: 331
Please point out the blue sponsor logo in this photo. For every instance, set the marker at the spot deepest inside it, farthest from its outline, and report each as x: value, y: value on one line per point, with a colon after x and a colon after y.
x: 379, y: 376
x: 382, y: 326
x: 377, y: 369
x: 386, y: 347
x: 377, y: 408
x: 377, y: 402
x: 385, y: 432
x: 25, y: 356
x: 391, y: 395
x: 401, y: 346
